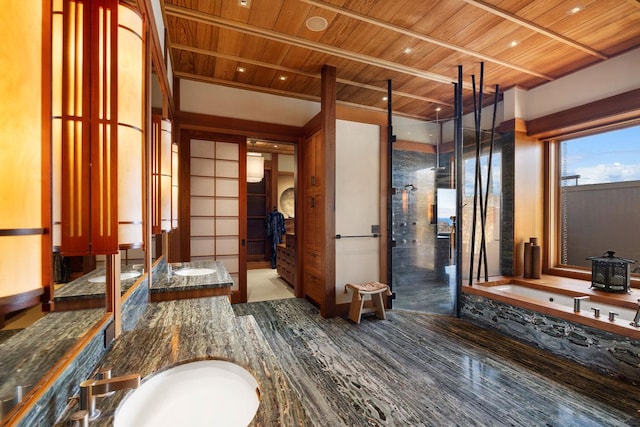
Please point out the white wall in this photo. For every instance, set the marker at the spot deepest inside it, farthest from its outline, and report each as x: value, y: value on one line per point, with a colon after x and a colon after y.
x: 357, y: 204
x: 198, y: 97
x: 605, y: 79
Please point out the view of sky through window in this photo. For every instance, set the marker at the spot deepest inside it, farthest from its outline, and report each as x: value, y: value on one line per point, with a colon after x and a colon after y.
x: 606, y: 157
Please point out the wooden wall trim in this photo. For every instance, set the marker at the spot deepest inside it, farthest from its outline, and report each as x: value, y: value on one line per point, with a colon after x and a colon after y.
x: 157, y: 55
x: 233, y: 126
x: 328, y: 118
x: 617, y: 108
x: 360, y: 115
x: 417, y: 147
x: 383, y: 258
x: 312, y: 126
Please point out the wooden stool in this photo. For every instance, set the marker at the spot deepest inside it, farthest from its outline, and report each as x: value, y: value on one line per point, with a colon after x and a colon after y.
x: 375, y: 289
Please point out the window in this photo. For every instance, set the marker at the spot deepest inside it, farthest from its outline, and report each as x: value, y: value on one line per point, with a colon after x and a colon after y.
x: 599, y: 180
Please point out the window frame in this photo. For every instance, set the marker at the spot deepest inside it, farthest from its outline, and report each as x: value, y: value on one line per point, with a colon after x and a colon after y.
x: 553, y: 204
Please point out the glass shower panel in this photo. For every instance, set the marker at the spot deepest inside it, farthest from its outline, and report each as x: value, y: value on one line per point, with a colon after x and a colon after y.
x: 423, y: 267
x: 491, y: 198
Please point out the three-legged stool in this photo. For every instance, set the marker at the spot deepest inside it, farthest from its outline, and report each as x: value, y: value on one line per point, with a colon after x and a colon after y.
x: 375, y: 289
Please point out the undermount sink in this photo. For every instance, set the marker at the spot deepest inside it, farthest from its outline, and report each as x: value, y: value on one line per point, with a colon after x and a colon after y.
x: 202, y: 393
x: 123, y: 276
x: 195, y: 271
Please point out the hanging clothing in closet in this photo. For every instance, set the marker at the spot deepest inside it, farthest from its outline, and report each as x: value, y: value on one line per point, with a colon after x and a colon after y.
x: 275, y: 230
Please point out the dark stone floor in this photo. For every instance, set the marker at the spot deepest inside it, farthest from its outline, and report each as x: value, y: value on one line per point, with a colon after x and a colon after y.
x: 416, y: 369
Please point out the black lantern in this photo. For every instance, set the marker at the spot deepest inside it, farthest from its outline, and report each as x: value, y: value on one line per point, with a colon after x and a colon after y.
x: 610, y: 273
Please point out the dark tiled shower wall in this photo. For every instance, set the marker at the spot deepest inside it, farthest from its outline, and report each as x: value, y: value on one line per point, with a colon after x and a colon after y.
x: 507, y: 264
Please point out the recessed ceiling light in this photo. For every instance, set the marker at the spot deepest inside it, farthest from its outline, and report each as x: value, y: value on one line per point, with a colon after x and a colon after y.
x: 241, y: 69
x: 384, y: 98
x: 317, y: 23
x: 283, y: 78
x: 438, y: 108
x: 407, y: 50
x: 575, y: 10
x: 244, y: 3
x: 513, y: 43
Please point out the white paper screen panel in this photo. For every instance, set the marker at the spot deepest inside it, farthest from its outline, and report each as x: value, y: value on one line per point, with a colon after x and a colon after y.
x: 202, y: 246
x: 202, y: 206
x: 227, y: 245
x: 227, y: 151
x: 201, y: 148
x: 202, y: 186
x: 227, y: 187
x: 227, y: 169
x: 215, y: 204
x: 227, y: 226
x: 202, y: 226
x: 227, y: 207
x: 203, y: 167
x: 231, y: 262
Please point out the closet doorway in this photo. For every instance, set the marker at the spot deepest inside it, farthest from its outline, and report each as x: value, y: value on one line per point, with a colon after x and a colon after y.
x: 271, y: 229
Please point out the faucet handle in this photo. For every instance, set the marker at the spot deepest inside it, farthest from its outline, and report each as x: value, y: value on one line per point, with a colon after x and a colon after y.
x: 612, y: 316
x: 104, y: 374
x: 596, y: 311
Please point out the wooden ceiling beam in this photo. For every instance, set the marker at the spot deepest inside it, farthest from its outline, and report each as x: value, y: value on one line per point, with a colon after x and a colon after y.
x: 419, y: 36
x: 204, y: 18
x: 537, y: 28
x: 304, y: 73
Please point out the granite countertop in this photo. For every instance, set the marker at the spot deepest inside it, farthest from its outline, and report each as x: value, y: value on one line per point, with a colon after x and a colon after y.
x: 30, y: 354
x: 92, y: 285
x: 168, y: 278
x: 174, y: 332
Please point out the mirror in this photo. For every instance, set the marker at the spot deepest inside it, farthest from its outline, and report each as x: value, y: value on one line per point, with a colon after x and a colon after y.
x: 28, y: 353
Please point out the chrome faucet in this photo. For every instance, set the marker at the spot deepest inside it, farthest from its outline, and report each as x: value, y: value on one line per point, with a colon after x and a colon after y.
x: 576, y: 302
x: 636, y: 319
x: 92, y: 388
x: 596, y: 311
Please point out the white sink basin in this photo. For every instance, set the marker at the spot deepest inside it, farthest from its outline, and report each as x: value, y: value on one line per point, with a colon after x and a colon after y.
x: 123, y: 276
x: 202, y: 393
x: 195, y: 271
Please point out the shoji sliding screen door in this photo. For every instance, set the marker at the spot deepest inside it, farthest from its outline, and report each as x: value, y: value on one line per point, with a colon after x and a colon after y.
x: 215, y: 204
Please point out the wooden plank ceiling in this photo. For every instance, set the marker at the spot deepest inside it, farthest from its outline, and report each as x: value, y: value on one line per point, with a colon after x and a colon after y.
x: 266, y: 46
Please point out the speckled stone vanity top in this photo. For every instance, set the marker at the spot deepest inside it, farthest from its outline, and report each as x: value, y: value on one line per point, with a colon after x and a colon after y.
x: 168, y: 278
x: 27, y: 356
x: 174, y: 332
x: 92, y: 286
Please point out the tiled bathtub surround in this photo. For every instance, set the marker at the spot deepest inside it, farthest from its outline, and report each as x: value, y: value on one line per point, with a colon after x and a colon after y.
x: 611, y: 354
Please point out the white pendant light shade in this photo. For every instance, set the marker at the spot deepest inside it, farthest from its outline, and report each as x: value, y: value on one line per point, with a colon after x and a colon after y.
x: 255, y: 167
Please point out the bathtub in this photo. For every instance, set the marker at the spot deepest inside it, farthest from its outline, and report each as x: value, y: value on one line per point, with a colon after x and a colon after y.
x: 586, y: 306
x: 541, y: 313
